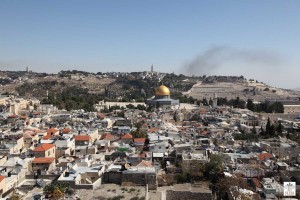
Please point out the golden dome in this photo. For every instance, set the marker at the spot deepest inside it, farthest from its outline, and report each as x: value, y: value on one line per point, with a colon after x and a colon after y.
x: 162, y: 91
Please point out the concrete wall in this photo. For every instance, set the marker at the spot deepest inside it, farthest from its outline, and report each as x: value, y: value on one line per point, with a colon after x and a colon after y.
x: 3, y: 160
x: 50, y: 153
x: 17, y: 147
x: 13, y: 181
x: 84, y: 186
x: 43, y: 166
x: 43, y: 176
x: 27, y: 142
x: 93, y: 135
x: 2, y: 185
x: 97, y: 183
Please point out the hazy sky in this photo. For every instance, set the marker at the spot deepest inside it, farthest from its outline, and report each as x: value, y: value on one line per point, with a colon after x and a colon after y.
x: 257, y: 39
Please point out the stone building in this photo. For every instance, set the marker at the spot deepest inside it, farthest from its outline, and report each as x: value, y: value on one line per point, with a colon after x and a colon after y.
x: 44, y: 150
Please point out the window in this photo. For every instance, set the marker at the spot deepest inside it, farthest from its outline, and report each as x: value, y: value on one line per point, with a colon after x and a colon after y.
x: 48, y: 153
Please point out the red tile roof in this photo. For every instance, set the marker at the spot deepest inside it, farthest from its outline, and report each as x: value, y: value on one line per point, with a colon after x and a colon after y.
x: 101, y: 115
x: 257, y: 182
x: 2, y: 178
x: 52, y: 130
x: 66, y: 130
x: 82, y: 137
x: 127, y: 136
x: 264, y: 156
x: 43, y: 160
x: 139, y: 140
x: 12, y: 116
x: 43, y: 147
x: 23, y: 117
x: 144, y: 163
x: 106, y: 136
x: 47, y: 137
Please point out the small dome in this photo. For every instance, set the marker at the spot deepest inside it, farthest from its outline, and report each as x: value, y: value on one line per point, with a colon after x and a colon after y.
x: 162, y: 91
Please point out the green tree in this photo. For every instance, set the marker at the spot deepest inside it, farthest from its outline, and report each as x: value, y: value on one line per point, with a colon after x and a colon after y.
x: 196, y: 170
x: 204, y: 101
x: 138, y: 133
x: 215, y: 165
x: 210, y: 102
x: 64, y: 188
x: 141, y: 107
x: 268, y: 127
x: 250, y: 105
x: 277, y: 107
x: 279, y: 128
x: 253, y: 130
x: 261, y: 131
x: 157, y: 105
x: 130, y: 106
x: 272, y: 130
x: 231, y: 185
x: 183, y: 178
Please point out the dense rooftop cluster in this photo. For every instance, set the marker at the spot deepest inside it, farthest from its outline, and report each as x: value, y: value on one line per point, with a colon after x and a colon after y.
x: 194, y: 150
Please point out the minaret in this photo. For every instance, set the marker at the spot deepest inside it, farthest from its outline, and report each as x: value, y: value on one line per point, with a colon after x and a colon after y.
x: 152, y: 68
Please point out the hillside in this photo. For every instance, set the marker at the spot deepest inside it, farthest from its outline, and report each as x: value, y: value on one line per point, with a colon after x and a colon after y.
x: 242, y: 89
x: 296, y: 89
x: 79, y: 89
x: 137, y: 86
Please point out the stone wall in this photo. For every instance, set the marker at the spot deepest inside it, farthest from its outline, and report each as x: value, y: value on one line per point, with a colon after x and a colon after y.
x: 184, y: 195
x: 112, y: 177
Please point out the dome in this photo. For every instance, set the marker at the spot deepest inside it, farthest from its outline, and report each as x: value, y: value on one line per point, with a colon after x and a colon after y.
x: 162, y: 91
